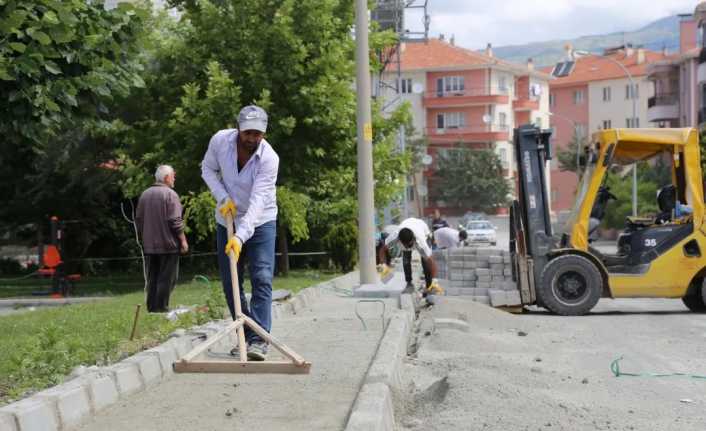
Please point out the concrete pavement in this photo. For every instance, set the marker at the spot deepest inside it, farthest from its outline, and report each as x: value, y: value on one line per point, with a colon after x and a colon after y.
x: 325, y: 332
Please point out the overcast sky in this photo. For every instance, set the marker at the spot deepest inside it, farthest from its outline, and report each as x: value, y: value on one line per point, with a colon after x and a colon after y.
x: 514, y: 22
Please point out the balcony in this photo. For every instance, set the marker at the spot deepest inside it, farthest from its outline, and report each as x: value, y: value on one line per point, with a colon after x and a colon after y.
x: 452, y: 135
x: 525, y: 104
x: 663, y: 107
x: 467, y: 97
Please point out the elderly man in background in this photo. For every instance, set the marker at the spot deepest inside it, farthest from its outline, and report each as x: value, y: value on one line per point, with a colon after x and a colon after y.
x: 161, y: 229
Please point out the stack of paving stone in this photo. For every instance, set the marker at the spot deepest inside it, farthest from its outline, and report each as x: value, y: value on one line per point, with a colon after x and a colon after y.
x: 484, y: 274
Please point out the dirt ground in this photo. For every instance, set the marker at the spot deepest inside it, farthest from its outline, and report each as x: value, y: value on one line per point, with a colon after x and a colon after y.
x: 538, y: 371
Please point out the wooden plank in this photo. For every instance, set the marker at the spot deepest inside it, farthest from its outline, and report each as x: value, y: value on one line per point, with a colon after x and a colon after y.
x: 286, y: 351
x: 250, y: 367
x: 211, y: 341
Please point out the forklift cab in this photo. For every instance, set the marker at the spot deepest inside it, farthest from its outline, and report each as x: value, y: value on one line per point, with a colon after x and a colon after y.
x: 678, y: 205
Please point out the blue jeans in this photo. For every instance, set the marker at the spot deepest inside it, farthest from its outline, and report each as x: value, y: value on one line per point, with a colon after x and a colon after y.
x: 259, y: 251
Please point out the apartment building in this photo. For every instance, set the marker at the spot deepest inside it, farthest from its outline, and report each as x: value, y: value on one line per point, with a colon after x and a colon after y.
x: 467, y: 98
x: 700, y: 18
x: 676, y: 97
x: 594, y: 92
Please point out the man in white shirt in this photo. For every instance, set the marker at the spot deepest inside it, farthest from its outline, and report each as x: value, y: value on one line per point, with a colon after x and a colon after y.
x: 412, y: 234
x: 447, y: 237
x: 241, y: 167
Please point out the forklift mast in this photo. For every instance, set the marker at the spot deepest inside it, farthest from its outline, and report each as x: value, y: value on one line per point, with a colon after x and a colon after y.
x: 530, y: 221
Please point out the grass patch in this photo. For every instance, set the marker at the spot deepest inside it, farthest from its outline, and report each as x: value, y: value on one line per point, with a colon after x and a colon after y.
x: 39, y: 348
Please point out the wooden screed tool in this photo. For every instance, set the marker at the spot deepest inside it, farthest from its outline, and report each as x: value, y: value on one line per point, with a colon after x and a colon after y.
x: 194, y: 361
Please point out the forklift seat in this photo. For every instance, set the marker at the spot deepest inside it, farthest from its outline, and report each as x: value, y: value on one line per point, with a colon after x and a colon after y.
x: 667, y: 201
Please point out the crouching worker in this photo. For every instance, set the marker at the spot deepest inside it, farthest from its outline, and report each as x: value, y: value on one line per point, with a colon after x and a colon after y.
x: 411, y: 235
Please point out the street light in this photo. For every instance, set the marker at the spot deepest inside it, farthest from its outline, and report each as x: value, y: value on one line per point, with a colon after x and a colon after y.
x: 634, y: 115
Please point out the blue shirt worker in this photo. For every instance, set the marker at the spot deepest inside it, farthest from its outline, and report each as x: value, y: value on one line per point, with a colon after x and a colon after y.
x: 241, y: 167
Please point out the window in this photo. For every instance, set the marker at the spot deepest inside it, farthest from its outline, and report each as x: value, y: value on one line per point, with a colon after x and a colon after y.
x: 634, y: 94
x: 607, y: 124
x: 502, y: 84
x: 449, y: 120
x: 606, y: 94
x: 453, y: 84
x: 405, y: 85
x: 632, y: 122
x: 552, y: 99
x: 578, y: 97
x: 502, y: 119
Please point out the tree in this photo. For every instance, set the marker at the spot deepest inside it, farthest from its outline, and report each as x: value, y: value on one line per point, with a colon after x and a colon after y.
x: 471, y: 178
x: 567, y: 156
x: 650, y: 178
x: 61, y: 65
x: 293, y: 58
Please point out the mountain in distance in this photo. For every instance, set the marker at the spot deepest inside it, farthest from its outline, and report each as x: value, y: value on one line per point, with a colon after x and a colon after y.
x: 663, y: 33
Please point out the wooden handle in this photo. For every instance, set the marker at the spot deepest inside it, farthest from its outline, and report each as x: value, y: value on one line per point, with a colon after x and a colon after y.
x: 236, y: 290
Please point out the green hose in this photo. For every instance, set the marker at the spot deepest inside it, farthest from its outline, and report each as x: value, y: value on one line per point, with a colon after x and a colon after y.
x: 615, y: 368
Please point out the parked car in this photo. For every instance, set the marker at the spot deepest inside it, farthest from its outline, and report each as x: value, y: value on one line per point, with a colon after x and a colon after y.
x: 481, y: 231
x: 473, y: 216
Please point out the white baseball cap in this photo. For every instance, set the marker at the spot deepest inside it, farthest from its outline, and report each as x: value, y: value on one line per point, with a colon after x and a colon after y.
x: 252, y: 118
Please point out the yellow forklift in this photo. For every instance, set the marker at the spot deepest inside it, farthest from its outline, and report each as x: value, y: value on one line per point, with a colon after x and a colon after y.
x: 659, y: 256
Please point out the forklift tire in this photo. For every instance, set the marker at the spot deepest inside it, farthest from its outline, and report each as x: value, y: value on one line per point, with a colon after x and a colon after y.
x: 571, y: 285
x: 696, y: 301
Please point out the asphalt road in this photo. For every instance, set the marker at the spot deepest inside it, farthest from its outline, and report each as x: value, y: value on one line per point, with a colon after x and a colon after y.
x: 538, y: 371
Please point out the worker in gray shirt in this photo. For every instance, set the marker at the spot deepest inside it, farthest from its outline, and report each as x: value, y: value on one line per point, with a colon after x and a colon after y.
x: 161, y: 230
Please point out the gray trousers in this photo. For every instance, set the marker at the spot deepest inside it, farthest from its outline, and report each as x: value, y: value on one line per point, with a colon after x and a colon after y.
x: 162, y: 272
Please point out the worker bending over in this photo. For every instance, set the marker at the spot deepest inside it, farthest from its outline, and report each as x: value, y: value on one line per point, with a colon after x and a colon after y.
x: 447, y: 237
x: 412, y: 234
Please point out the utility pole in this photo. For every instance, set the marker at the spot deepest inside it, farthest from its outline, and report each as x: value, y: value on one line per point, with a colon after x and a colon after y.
x: 366, y: 203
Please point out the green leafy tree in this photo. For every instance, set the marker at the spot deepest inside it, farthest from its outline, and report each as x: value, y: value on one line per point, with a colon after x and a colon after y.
x: 62, y: 63
x: 293, y: 58
x: 650, y: 178
x: 470, y: 178
x: 567, y: 156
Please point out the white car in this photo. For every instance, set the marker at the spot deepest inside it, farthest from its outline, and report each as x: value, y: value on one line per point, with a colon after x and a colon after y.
x: 481, y: 231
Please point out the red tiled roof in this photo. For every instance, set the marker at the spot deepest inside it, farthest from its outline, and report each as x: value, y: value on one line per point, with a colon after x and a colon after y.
x: 597, y: 68
x: 435, y: 53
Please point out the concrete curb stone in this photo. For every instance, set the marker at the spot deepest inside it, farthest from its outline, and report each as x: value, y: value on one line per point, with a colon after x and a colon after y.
x: 149, y: 367
x: 7, y: 422
x: 127, y: 378
x: 33, y: 414
x: 373, y: 409
x: 102, y: 390
x: 70, y: 400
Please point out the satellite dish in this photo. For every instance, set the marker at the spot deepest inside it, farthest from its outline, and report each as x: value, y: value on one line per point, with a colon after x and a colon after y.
x: 427, y: 159
x: 422, y: 190
x: 487, y: 119
x: 417, y: 88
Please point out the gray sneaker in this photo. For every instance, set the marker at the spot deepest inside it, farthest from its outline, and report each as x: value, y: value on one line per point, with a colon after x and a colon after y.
x: 257, y: 351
